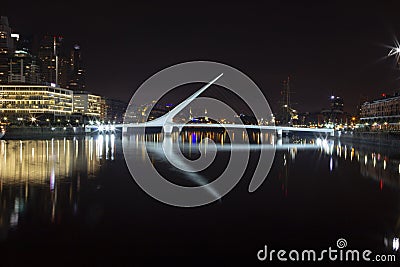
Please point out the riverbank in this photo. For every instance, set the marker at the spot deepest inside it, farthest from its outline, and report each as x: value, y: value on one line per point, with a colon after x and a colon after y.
x: 42, y: 132
x: 372, y: 138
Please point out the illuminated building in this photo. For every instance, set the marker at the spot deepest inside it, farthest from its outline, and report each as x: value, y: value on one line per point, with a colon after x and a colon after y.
x: 77, y: 75
x: 89, y: 104
x: 335, y: 114
x: 47, y: 60
x: 337, y: 103
x: 6, y: 48
x: 64, y: 72
x: 23, y: 69
x: 385, y: 109
x: 20, y: 100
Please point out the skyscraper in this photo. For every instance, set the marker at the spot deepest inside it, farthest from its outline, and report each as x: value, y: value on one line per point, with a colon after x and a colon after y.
x: 23, y: 68
x: 77, y: 78
x: 49, y: 58
x: 64, y: 72
x: 337, y: 103
x: 6, y: 48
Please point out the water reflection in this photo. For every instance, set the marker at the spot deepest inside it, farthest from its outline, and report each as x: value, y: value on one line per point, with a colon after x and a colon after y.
x: 48, y: 178
x: 44, y: 161
x: 383, y: 167
x: 45, y: 176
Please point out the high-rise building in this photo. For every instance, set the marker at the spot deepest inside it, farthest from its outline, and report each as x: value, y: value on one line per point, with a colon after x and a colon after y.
x: 335, y: 114
x: 23, y: 69
x: 6, y: 48
x: 64, y: 72
x: 77, y: 78
x: 49, y: 59
x: 337, y: 103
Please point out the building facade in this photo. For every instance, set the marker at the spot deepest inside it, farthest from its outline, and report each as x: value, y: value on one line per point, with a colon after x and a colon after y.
x: 77, y: 73
x: 23, y: 69
x: 89, y: 105
x: 47, y: 59
x: 6, y: 48
x: 381, y: 110
x: 35, y: 100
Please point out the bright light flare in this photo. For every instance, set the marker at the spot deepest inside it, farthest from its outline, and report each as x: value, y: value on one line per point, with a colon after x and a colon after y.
x: 395, y: 51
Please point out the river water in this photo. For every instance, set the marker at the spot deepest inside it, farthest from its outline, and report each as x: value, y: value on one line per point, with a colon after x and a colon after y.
x: 73, y: 201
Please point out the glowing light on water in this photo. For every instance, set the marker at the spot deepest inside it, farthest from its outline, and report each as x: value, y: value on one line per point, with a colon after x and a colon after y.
x: 396, y: 244
x: 20, y: 151
x: 113, y: 144
x: 52, y: 178
x: 107, y: 148
x: 318, y: 142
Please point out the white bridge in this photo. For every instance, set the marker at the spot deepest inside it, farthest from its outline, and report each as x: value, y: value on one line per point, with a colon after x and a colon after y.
x: 167, y: 124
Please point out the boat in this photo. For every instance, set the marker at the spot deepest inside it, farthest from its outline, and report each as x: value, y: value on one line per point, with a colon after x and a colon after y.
x: 2, y: 131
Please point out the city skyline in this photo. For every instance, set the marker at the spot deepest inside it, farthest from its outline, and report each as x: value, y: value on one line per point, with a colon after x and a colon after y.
x: 327, y: 49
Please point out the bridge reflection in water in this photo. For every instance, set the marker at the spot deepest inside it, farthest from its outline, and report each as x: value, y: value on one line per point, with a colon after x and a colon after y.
x: 52, y: 179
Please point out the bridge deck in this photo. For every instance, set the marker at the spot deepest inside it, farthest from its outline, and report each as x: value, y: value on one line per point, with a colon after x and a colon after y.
x: 279, y: 129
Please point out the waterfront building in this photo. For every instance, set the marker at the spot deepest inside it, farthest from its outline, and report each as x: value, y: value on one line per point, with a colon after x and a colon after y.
x: 24, y: 102
x: 385, y: 110
x: 89, y: 104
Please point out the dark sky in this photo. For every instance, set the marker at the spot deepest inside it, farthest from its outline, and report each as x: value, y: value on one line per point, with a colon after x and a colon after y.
x: 324, y: 47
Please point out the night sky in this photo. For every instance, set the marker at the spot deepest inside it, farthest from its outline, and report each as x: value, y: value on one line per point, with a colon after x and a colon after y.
x: 323, y: 47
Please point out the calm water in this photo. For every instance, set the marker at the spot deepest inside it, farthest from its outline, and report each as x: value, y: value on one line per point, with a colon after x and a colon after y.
x: 73, y: 201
